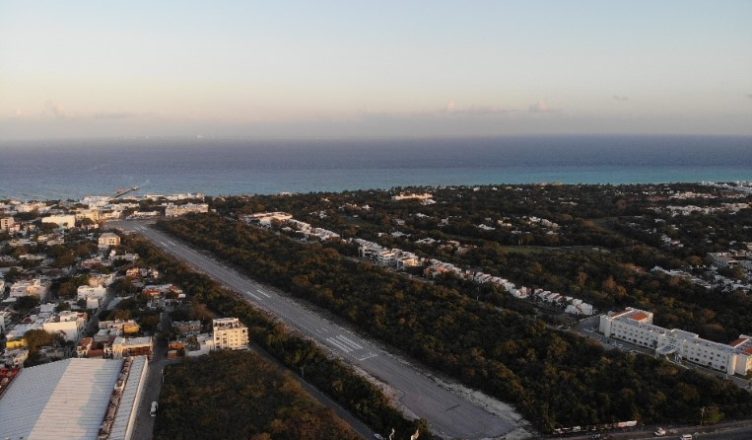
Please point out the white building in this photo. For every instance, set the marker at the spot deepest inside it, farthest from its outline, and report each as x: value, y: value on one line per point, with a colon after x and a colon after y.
x: 92, y: 214
x: 67, y: 324
x: 172, y: 210
x: 205, y: 344
x: 424, y: 197
x: 123, y: 347
x: 636, y: 326
x: 92, y: 295
x: 230, y: 334
x: 36, y: 287
x: 64, y: 221
x: 107, y: 240
x: 266, y: 218
x: 4, y: 320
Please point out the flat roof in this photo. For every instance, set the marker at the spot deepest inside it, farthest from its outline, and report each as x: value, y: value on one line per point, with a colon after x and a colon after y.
x: 64, y: 399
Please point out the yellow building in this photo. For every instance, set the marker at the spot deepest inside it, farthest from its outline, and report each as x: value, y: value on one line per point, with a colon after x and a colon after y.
x: 131, y: 328
x: 16, y: 343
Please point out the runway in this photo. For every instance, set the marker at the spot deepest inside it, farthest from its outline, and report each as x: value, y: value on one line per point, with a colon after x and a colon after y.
x: 448, y: 413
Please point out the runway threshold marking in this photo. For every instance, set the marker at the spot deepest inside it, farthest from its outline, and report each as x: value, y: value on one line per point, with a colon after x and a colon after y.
x: 349, y: 342
x: 339, y: 345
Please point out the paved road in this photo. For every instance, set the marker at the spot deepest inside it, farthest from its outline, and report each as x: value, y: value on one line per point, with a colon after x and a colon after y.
x: 144, y: 425
x: 724, y: 431
x: 448, y: 413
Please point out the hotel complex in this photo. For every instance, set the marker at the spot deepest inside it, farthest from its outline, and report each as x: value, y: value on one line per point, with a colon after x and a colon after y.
x: 636, y: 326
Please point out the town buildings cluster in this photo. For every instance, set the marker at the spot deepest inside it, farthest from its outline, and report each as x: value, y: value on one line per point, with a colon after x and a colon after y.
x: 289, y: 224
x: 79, y: 316
x: 403, y: 260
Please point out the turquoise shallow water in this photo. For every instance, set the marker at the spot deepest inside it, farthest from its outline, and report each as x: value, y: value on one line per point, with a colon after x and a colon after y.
x: 73, y: 169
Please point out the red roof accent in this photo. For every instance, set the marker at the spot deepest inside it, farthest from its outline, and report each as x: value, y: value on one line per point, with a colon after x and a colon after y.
x: 639, y: 316
x: 739, y: 341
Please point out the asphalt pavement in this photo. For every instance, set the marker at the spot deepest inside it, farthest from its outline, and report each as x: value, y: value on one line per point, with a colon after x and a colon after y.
x: 449, y: 413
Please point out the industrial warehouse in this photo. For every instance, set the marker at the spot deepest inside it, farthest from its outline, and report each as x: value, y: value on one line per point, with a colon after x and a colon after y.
x: 85, y: 399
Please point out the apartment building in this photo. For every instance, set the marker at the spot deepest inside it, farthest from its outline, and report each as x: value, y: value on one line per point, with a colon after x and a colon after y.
x: 230, y: 334
x: 6, y: 223
x: 636, y: 326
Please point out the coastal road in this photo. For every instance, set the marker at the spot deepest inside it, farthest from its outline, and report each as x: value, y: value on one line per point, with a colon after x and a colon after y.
x: 449, y: 413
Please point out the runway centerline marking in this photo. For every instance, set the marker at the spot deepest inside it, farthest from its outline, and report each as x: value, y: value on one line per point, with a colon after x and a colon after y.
x: 251, y: 293
x: 368, y: 356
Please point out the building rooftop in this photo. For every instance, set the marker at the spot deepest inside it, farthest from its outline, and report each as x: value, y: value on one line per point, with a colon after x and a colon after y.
x: 65, y: 399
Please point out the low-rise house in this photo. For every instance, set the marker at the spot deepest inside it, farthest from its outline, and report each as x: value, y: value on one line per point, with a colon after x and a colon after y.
x: 92, y: 295
x: 199, y: 345
x: 98, y: 279
x: 108, y: 240
x: 90, y: 214
x: 155, y: 291
x: 14, y: 358
x: 187, y: 327
x: 124, y: 347
x: 5, y: 317
x: 37, y: 287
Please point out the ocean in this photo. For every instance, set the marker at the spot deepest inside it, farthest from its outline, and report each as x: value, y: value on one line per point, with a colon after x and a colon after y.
x: 71, y: 169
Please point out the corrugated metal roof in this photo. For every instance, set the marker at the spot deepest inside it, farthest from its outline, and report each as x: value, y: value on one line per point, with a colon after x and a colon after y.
x: 63, y: 399
x: 126, y: 413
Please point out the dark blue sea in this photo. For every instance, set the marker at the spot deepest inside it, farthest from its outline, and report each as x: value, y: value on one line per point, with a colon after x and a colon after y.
x: 70, y: 169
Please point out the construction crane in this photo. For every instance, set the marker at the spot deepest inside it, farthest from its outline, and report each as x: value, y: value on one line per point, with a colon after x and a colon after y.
x: 123, y: 191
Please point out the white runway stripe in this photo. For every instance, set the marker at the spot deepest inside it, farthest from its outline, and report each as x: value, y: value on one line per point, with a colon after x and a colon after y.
x: 339, y: 345
x: 350, y: 342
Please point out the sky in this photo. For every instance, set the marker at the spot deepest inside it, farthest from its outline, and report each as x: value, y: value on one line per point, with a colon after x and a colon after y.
x: 362, y: 68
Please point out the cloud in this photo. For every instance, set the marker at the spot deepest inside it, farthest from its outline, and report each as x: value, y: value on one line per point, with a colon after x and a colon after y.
x: 749, y: 95
x: 114, y: 115
x: 620, y: 98
x: 540, y: 107
x: 474, y: 110
x: 55, y: 110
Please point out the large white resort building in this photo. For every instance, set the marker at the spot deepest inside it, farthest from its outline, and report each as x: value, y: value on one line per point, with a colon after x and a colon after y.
x: 636, y: 326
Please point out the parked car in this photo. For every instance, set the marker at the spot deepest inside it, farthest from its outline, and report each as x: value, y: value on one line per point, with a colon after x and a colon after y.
x: 154, y: 407
x: 660, y: 432
x: 686, y: 437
